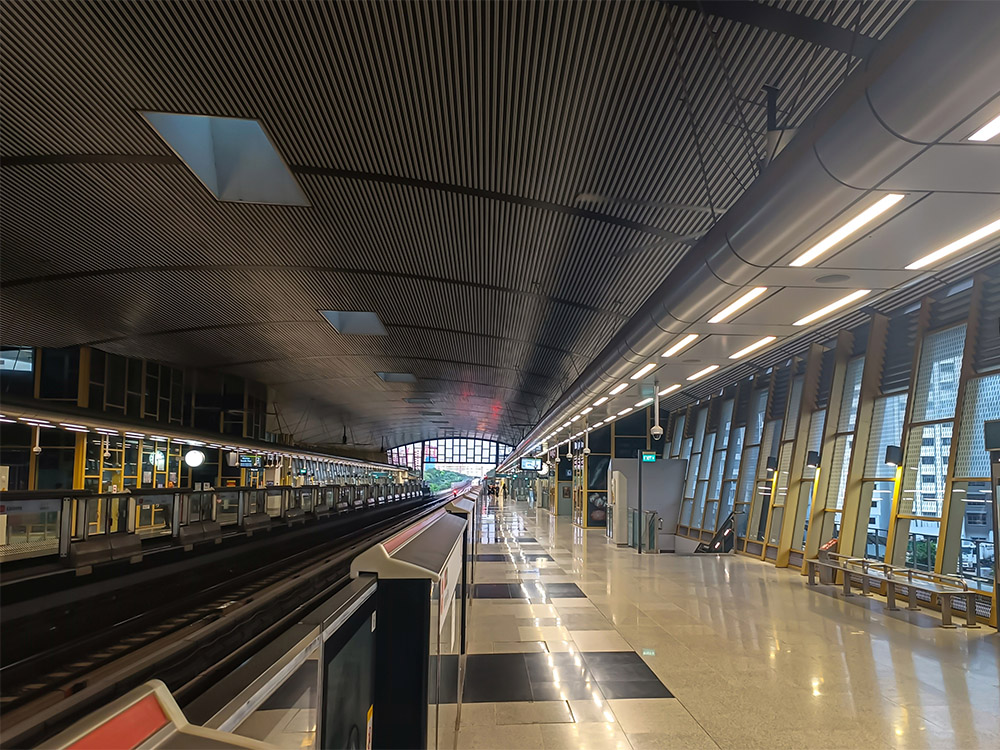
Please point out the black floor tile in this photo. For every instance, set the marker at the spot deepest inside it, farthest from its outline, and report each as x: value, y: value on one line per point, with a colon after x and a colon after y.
x: 622, y: 672
x: 563, y: 667
x: 492, y: 558
x: 533, y: 556
x: 564, y: 691
x: 621, y: 658
x: 637, y: 689
x: 564, y: 591
x: 491, y: 591
x: 493, y: 678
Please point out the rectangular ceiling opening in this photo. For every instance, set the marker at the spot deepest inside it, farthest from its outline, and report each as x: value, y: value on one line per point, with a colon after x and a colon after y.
x: 354, y: 323
x: 397, y: 377
x: 234, y: 158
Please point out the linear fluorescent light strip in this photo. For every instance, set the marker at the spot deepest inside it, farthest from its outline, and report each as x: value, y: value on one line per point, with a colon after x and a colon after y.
x: 643, y: 370
x: 643, y: 402
x: 626, y: 410
x: 587, y: 410
x: 731, y: 309
x: 703, y: 373
x: 865, y: 217
x: 601, y: 400
x: 753, y: 347
x: 832, y: 307
x: 987, y: 132
x: 954, y: 247
x: 618, y: 389
x: 680, y: 345
x: 669, y: 389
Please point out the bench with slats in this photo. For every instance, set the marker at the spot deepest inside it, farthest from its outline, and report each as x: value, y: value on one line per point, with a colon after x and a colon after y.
x: 946, y: 588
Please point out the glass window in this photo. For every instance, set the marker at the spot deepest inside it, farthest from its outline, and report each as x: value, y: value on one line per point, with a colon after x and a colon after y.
x: 794, y: 403
x: 975, y: 559
x: 937, y: 379
x: 981, y: 404
x: 852, y: 393
x: 922, y: 492
x: 815, y: 440
x: 886, y: 429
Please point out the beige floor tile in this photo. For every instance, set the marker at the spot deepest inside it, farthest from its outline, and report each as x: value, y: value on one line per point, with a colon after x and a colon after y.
x: 698, y: 740
x: 599, y: 640
x: 480, y: 647
x: 654, y: 715
x: 540, y: 712
x: 553, y: 633
x: 508, y: 737
x: 592, y: 736
x: 519, y: 647
x: 589, y: 711
x: 478, y: 715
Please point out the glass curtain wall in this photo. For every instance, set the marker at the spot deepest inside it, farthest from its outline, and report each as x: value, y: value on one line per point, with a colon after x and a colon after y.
x: 748, y: 469
x: 927, y: 449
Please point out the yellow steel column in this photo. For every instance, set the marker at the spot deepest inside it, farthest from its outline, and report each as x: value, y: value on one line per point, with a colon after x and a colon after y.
x: 950, y: 533
x: 841, y: 356
x: 807, y: 405
x: 79, y: 460
x: 850, y: 521
x: 896, y: 555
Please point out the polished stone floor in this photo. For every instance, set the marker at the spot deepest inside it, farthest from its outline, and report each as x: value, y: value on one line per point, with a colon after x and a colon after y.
x: 750, y: 655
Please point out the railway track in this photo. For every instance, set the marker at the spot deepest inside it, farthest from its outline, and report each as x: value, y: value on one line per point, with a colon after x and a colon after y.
x: 185, y: 643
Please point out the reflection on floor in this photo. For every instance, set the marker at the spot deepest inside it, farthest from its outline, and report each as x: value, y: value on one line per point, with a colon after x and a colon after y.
x: 585, y: 650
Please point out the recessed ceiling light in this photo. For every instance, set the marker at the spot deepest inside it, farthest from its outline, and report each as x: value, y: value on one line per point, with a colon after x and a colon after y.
x: 601, y: 400
x: 397, y: 377
x: 565, y: 425
x: 587, y: 410
x: 703, y: 373
x: 618, y: 389
x: 832, y: 307
x: 987, y: 131
x: 573, y: 419
x: 430, y: 413
x: 954, y: 247
x: 731, y: 309
x: 643, y: 370
x: 669, y: 389
x: 753, y: 347
x: 865, y: 217
x: 626, y: 410
x: 642, y: 403
x: 679, y: 345
x: 417, y: 400
x: 354, y: 323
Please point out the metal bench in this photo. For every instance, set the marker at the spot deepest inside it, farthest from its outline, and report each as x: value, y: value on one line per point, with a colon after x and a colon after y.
x: 946, y: 588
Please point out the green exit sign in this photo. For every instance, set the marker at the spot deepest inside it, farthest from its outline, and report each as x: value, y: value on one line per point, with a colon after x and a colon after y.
x: 648, y: 457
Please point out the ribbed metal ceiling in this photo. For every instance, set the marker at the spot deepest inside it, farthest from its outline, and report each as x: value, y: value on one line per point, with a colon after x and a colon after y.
x: 443, y: 147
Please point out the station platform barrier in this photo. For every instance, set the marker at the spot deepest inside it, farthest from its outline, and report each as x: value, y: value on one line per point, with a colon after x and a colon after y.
x: 83, y: 529
x: 377, y: 665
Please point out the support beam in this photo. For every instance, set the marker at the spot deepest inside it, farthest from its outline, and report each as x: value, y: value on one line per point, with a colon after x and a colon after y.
x: 784, y: 22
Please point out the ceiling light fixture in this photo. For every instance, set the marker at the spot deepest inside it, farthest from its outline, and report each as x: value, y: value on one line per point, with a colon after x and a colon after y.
x: 587, y: 410
x: 703, y: 373
x: 626, y: 410
x: 618, y: 389
x: 669, y: 389
x: 987, y: 131
x: 601, y: 400
x: 954, y: 247
x: 680, y: 345
x: 642, y: 403
x: 832, y: 307
x: 731, y: 309
x: 753, y: 347
x: 643, y: 370
x: 865, y: 217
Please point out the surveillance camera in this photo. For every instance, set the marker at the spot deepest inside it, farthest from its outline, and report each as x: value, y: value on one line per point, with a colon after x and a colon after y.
x: 36, y: 450
x: 586, y: 451
x: 656, y: 432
